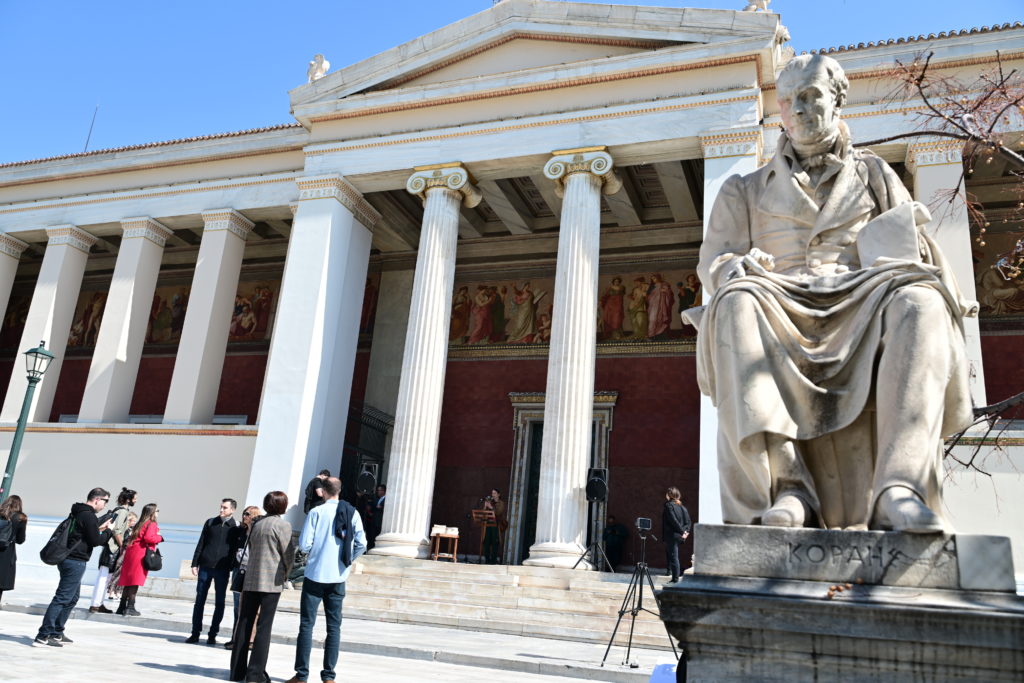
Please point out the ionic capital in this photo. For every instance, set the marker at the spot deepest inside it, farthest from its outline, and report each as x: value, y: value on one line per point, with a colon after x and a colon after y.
x: 452, y: 176
x: 144, y: 227
x: 333, y: 186
x: 11, y: 246
x: 70, y: 235
x: 227, y: 219
x: 595, y: 160
x: 739, y: 142
x: 929, y: 151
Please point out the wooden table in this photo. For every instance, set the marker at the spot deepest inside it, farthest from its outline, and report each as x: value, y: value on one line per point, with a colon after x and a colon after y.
x: 451, y: 542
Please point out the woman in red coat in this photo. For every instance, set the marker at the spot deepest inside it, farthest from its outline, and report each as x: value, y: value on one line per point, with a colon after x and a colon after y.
x: 145, y: 536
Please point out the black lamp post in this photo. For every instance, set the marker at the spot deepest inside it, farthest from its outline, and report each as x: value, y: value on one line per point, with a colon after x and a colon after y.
x: 36, y: 362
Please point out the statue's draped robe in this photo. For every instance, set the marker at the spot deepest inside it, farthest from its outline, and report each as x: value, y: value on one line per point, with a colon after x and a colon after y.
x: 801, y: 351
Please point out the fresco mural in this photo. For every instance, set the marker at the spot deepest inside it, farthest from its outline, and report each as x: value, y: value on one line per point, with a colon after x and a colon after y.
x: 252, y: 317
x: 14, y: 321
x: 85, y: 325
x: 999, y: 275
x: 631, y: 307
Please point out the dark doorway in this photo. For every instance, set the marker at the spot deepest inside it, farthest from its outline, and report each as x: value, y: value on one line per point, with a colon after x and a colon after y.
x: 532, y: 487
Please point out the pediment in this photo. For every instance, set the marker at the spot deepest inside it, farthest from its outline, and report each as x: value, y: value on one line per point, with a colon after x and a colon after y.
x: 515, y: 36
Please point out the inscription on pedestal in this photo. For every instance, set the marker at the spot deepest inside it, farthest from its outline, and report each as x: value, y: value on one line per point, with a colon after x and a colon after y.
x: 869, y: 557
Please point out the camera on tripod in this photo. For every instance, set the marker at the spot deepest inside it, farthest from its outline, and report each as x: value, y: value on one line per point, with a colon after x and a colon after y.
x: 643, y: 524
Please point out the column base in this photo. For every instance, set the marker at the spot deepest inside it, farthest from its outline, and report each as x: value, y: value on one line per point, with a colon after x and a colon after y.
x: 557, y: 555
x: 401, y: 545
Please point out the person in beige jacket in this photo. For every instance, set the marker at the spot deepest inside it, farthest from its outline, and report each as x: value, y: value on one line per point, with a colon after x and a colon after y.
x: 271, y: 551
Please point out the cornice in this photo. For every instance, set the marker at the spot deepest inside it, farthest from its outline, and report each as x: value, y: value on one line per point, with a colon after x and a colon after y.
x: 12, y: 246
x: 334, y: 186
x: 934, y: 152
x: 732, y: 143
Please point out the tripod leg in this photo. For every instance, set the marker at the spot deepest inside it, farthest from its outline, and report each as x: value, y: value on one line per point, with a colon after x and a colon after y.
x: 630, y: 592
x: 650, y: 582
x: 604, y: 556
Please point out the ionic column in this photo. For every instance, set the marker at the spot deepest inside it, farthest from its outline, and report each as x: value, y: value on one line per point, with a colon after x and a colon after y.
x: 937, y: 165
x: 204, y: 337
x: 313, y: 348
x: 11, y: 250
x: 726, y: 153
x: 581, y: 176
x: 49, y: 318
x: 413, y: 457
x: 115, y: 362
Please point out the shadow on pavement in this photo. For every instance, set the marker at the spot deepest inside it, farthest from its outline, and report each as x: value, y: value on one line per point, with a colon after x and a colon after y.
x: 169, y: 637
x: 189, y: 669
x: 24, y: 640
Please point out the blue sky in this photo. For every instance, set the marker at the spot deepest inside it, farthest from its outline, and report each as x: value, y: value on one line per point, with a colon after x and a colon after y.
x: 166, y: 70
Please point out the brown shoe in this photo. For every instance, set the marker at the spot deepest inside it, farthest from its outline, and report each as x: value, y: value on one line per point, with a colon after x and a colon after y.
x: 100, y: 609
x: 295, y: 679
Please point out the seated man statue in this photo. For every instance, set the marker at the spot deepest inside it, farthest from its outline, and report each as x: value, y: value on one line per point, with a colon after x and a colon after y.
x: 832, y: 344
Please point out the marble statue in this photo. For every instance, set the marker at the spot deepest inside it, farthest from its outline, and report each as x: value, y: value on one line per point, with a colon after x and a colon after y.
x: 317, y: 68
x: 755, y: 5
x: 833, y: 344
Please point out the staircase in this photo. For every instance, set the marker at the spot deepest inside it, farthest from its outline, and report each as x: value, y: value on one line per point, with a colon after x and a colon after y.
x: 519, y: 600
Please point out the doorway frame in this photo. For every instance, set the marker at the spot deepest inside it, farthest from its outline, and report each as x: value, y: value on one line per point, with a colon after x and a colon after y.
x: 528, y: 409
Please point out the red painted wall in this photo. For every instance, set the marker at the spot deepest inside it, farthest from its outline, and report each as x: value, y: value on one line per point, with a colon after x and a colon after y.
x: 654, y: 438
x: 1004, y: 371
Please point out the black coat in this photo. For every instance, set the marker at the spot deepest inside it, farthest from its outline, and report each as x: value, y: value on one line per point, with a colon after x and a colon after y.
x: 217, y: 544
x: 87, y: 534
x: 674, y: 520
x: 9, y: 557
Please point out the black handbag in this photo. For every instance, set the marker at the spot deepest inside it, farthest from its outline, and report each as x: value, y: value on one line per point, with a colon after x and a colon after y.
x: 238, y: 581
x: 152, y: 561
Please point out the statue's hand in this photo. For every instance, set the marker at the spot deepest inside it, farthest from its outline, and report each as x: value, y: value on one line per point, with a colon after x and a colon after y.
x: 762, y: 258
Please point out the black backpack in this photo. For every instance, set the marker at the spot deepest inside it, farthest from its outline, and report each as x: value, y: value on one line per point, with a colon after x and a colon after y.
x: 57, y: 548
x: 6, y: 534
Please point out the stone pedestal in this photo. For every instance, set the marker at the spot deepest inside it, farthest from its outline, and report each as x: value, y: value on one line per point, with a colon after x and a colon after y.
x: 804, y: 604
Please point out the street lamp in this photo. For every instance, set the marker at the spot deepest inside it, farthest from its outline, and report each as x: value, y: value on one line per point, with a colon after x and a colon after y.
x: 36, y: 362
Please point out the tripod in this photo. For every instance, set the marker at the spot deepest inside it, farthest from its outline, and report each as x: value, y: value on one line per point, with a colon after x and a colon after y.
x: 633, y: 603
x: 595, y: 549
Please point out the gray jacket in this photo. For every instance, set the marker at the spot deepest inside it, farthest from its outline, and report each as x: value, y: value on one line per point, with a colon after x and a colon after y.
x: 271, y: 554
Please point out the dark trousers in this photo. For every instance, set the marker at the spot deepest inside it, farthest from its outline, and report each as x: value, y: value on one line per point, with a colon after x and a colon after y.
x: 614, y: 553
x: 313, y: 593
x: 491, y: 543
x: 254, y: 666
x: 672, y: 555
x: 65, y: 599
x: 219, y: 578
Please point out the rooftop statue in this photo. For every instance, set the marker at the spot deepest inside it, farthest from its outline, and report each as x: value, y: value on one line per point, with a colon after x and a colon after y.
x: 317, y: 68
x: 833, y: 342
x: 755, y: 5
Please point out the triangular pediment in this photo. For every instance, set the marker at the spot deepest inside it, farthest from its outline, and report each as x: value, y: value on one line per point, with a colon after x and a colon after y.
x: 515, y: 36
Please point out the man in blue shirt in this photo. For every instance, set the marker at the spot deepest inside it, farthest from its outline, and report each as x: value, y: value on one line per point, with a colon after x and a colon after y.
x: 333, y: 537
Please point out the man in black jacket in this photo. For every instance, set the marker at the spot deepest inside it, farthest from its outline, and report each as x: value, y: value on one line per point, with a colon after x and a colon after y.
x: 86, y: 534
x: 314, y: 494
x: 211, y: 563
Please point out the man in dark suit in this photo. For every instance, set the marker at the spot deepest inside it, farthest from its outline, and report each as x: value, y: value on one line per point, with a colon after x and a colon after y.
x: 211, y: 563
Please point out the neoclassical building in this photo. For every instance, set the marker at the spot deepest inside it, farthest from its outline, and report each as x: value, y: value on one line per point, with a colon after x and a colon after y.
x: 460, y: 267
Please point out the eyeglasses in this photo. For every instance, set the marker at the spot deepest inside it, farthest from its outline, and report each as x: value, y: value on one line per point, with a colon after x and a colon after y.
x: 105, y: 500
x: 247, y: 514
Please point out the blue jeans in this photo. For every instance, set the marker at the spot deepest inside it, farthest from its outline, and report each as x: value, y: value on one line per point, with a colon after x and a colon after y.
x: 219, y: 578
x: 65, y: 599
x: 332, y: 595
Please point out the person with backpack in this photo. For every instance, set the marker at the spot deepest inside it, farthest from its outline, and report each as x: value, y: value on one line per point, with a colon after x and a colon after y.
x: 70, y: 548
x: 334, y: 538
x: 13, y: 522
x: 108, y: 555
x: 138, y: 558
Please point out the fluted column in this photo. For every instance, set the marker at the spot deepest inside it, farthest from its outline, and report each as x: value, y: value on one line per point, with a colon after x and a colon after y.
x: 581, y: 175
x: 413, y: 457
x: 49, y: 317
x: 115, y: 362
x: 937, y: 165
x: 192, y: 397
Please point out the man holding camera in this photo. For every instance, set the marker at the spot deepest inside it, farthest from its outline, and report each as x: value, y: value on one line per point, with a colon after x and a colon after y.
x: 87, y: 533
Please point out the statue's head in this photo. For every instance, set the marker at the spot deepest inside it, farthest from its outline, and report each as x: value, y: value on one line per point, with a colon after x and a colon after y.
x: 811, y: 91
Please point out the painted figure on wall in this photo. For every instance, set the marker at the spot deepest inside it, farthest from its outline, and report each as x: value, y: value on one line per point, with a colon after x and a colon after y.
x: 689, y: 293
x: 89, y: 313
x: 14, y: 320
x: 179, y: 305
x: 638, y: 317
x: 613, y: 309
x: 262, y: 306
x: 498, y: 320
x: 1000, y: 279
x: 481, y: 324
x: 522, y: 326
x: 461, y: 305
x: 659, y: 307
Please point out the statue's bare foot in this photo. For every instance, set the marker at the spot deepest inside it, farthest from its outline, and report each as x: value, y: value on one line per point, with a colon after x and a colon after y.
x: 900, y: 509
x: 789, y: 510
